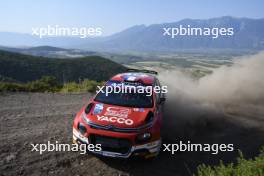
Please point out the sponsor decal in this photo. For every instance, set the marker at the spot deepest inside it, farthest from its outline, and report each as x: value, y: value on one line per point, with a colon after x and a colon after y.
x: 98, y: 109
x: 130, y: 78
x: 139, y: 109
x: 115, y: 120
x: 117, y: 112
x: 121, y: 84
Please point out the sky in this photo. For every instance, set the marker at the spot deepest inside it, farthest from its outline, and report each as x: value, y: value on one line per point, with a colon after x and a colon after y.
x: 116, y: 15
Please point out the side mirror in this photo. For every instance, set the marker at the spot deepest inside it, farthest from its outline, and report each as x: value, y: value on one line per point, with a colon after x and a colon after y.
x: 162, y: 99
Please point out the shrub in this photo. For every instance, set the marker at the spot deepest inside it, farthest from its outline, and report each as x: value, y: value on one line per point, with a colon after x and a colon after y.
x: 45, y: 84
x: 84, y: 86
x: 12, y: 87
x: 70, y: 87
x: 251, y: 167
x: 50, y: 84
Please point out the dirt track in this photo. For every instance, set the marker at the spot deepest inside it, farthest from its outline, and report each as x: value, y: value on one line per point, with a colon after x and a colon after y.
x: 38, y: 117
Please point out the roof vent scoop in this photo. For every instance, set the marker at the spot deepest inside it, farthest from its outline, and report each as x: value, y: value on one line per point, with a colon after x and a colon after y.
x: 142, y: 71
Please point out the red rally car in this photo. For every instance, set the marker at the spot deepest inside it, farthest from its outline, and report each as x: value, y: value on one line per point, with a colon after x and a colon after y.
x: 124, y: 124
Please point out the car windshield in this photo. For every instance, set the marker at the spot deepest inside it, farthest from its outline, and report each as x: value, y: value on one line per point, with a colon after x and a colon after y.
x: 129, y: 99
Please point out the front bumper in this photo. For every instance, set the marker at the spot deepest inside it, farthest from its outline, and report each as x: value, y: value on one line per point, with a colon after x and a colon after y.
x: 146, y: 150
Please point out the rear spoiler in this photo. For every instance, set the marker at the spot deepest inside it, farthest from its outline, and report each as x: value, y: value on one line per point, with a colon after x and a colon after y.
x: 142, y: 71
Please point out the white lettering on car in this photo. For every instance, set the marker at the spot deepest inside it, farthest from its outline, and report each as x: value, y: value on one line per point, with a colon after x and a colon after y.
x: 115, y: 119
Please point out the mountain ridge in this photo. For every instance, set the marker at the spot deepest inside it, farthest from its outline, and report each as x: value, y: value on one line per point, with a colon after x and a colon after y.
x: 148, y: 38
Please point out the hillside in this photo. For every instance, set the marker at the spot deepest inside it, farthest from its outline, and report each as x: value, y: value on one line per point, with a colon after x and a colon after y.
x: 24, y: 68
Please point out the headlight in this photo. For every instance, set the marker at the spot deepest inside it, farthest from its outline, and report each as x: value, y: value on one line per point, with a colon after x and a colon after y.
x: 82, y: 128
x: 143, y: 137
x: 84, y: 117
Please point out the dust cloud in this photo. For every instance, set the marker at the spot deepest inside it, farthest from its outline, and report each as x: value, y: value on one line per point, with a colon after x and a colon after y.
x: 236, y: 89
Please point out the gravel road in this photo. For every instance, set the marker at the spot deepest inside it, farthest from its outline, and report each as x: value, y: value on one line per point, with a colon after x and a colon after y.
x: 40, y: 117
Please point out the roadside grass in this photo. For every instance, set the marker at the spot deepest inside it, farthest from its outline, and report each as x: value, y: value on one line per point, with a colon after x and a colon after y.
x: 243, y: 167
x: 50, y: 84
x: 84, y: 86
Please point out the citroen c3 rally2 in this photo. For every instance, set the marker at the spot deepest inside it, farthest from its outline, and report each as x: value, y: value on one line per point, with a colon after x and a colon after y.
x: 124, y: 124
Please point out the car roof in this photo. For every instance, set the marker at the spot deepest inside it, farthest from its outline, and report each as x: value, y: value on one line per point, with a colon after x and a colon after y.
x: 143, y: 78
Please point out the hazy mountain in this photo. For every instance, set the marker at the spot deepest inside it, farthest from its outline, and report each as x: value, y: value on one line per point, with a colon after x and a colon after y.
x: 11, y: 39
x: 50, y: 51
x: 248, y: 34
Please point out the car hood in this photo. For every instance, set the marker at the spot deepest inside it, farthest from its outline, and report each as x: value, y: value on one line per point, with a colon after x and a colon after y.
x: 118, y: 116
